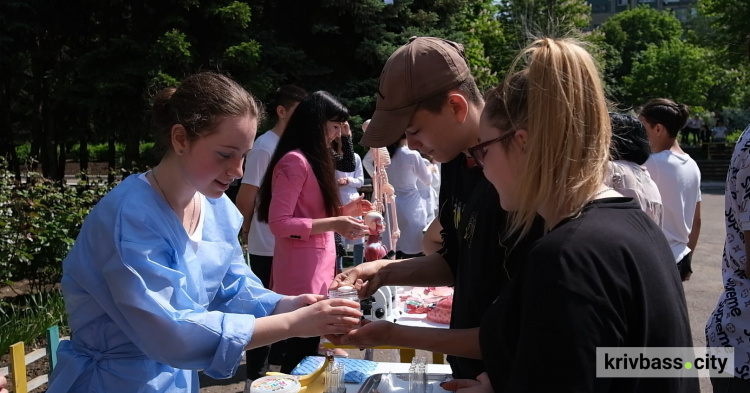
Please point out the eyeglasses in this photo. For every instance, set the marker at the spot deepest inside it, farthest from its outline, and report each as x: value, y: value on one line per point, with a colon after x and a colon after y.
x: 479, y: 151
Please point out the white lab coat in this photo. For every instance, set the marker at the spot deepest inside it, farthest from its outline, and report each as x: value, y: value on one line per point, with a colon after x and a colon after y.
x: 406, y: 170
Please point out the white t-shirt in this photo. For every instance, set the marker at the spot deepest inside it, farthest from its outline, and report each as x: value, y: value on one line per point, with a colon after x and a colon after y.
x: 679, y: 182
x: 730, y: 321
x: 260, y: 240
x: 720, y: 133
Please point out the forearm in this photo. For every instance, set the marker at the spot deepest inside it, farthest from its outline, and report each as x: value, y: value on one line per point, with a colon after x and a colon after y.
x: 285, y: 305
x: 248, y: 217
x: 321, y: 225
x: 245, y: 202
x: 456, y: 342
x: 694, y: 233
x: 271, y: 329
x: 429, y: 270
x: 432, y: 242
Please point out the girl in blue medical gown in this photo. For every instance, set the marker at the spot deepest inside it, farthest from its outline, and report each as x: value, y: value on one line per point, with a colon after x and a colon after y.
x: 156, y: 287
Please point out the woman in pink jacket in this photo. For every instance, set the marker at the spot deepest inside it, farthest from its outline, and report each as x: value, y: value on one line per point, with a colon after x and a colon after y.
x: 299, y: 200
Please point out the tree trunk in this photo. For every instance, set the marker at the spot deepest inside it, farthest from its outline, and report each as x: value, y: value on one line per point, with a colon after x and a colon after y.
x: 61, y: 158
x: 83, y: 152
x: 132, y: 146
x: 7, y: 144
x: 49, y: 163
x: 112, y: 159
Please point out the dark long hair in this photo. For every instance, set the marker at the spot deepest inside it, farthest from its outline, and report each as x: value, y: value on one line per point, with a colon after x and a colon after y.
x: 629, y: 139
x: 306, y: 131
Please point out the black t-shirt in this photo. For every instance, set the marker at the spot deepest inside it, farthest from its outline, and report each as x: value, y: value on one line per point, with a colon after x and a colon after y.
x: 604, y: 279
x: 473, y: 228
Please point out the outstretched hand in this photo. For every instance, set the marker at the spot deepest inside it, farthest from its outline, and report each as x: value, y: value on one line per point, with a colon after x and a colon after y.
x: 331, y: 316
x: 370, y: 334
x: 363, y: 277
x: 292, y: 303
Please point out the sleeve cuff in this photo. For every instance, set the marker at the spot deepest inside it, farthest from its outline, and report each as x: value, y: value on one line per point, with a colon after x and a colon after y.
x: 237, y: 330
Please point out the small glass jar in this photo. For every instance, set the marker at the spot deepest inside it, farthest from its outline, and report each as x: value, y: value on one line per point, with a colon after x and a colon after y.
x: 345, y: 292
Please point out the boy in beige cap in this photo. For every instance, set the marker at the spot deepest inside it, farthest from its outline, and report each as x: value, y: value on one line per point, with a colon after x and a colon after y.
x: 427, y: 91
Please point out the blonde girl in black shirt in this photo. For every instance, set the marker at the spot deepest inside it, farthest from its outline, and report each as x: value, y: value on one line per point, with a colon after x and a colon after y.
x: 603, y: 274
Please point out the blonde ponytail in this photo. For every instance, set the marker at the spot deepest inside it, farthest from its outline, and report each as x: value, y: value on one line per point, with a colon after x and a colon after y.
x: 566, y: 117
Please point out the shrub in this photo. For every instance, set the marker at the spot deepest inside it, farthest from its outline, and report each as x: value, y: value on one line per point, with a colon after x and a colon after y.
x: 97, y: 153
x: 23, y: 151
x: 737, y: 119
x: 39, y: 221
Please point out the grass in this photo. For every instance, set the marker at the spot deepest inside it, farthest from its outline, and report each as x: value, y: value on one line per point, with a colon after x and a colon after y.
x: 27, y: 317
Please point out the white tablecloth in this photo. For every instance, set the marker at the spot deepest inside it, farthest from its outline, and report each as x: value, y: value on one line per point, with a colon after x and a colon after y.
x: 384, y: 367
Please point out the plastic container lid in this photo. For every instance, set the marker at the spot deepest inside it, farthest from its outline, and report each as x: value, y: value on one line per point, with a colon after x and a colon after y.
x: 275, y: 384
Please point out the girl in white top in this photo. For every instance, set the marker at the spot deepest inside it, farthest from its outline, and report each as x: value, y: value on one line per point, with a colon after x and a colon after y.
x: 349, y: 184
x: 677, y: 176
x: 629, y: 150
x: 405, y: 170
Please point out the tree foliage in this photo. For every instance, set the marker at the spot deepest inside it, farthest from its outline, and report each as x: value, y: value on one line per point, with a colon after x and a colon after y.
x: 729, y: 20
x: 524, y: 20
x: 671, y: 68
x: 626, y: 35
x: 81, y: 72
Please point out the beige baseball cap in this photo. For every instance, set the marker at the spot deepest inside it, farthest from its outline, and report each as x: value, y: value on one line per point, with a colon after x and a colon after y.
x: 415, y: 72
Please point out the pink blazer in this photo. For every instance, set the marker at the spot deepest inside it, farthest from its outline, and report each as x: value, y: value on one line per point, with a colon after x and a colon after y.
x: 302, y: 263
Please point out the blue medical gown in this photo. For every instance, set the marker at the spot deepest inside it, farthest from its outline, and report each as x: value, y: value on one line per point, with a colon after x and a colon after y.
x: 146, y: 309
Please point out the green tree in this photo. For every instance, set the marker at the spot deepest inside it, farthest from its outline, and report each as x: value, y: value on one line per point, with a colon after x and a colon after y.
x: 630, y: 32
x: 673, y: 69
x: 341, y: 46
x: 524, y: 20
x: 729, y: 21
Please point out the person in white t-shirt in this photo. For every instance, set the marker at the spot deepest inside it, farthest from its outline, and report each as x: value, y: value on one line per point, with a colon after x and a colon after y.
x: 677, y: 176
x: 719, y: 132
x: 260, y: 240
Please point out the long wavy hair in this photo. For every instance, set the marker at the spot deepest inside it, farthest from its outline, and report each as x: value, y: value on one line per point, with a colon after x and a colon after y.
x: 558, y: 98
x: 306, y: 132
